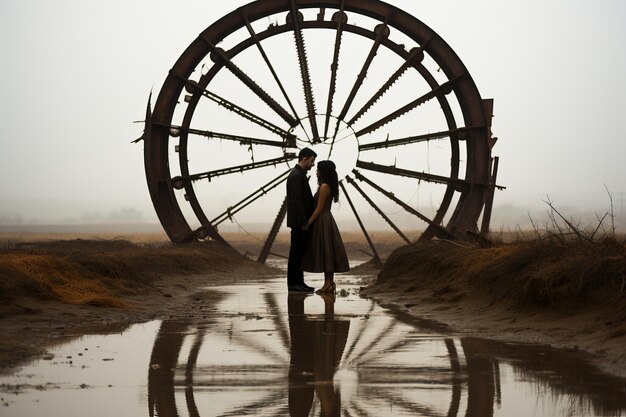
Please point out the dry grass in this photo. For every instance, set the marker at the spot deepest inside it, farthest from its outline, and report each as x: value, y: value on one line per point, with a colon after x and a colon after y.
x: 12, y: 240
x: 100, y: 272
x: 51, y: 277
x: 100, y: 268
x: 559, y: 272
x: 251, y: 244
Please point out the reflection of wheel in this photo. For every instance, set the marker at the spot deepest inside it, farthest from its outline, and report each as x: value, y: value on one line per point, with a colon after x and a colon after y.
x: 360, y: 81
x: 276, y: 358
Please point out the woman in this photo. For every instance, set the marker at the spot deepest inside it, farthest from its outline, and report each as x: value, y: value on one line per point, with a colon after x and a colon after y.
x: 325, y: 252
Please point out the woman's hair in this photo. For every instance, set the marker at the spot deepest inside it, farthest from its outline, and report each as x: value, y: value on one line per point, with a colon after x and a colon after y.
x: 328, y: 175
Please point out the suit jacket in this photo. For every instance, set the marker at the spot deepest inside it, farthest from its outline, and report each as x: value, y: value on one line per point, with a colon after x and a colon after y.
x: 300, y: 203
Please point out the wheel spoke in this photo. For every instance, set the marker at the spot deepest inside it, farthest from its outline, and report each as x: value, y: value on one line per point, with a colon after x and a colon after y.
x: 459, y: 184
x: 358, y: 219
x: 240, y: 111
x: 246, y: 201
x: 257, y: 42
x: 283, y: 331
x: 383, y: 215
x: 334, y: 66
x: 262, y: 349
x: 416, y: 55
x: 440, y: 231
x: 458, y: 134
x: 252, y: 407
x: 267, y: 246
x: 357, y: 410
x: 304, y: 70
x: 444, y: 89
x: 358, y: 336
x: 382, y: 32
x: 220, y: 56
x: 275, y: 313
x: 244, y: 140
x: 179, y: 182
x: 382, y: 335
x: 411, y: 408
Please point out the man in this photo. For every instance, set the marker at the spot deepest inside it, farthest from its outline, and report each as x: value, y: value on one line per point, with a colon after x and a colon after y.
x: 300, y: 206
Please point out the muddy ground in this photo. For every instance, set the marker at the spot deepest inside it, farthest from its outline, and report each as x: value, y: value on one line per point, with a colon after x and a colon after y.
x: 30, y: 325
x: 568, y: 295
x: 33, y: 326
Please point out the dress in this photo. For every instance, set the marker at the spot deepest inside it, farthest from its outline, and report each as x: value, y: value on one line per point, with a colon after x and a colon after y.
x: 325, y: 251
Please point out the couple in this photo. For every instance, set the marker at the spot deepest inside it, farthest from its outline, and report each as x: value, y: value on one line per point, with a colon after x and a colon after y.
x: 316, y: 244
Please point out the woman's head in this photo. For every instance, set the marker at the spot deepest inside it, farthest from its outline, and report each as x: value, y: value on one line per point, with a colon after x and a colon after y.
x: 327, y: 173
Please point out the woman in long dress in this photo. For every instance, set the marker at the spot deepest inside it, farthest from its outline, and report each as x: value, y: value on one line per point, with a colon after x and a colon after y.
x: 325, y: 252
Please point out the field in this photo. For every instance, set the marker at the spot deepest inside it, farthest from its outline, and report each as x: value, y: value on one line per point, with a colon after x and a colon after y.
x: 248, y: 244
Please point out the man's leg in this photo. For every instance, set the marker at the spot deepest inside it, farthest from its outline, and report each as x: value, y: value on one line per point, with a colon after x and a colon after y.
x: 301, y: 388
x: 295, y: 276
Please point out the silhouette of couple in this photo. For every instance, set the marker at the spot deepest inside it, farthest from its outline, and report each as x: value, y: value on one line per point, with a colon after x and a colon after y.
x: 316, y: 349
x: 316, y: 245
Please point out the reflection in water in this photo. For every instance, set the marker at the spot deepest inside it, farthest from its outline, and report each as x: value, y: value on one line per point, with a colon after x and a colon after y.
x: 260, y: 352
x: 163, y: 362
x: 316, y: 349
x: 261, y: 357
x: 482, y: 377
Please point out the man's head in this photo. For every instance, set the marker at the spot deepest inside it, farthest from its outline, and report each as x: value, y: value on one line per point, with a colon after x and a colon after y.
x: 306, y: 158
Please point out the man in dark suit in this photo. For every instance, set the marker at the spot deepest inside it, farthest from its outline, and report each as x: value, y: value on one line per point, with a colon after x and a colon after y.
x: 300, y: 206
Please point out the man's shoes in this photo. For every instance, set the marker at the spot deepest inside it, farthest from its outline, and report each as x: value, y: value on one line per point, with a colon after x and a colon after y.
x: 300, y: 288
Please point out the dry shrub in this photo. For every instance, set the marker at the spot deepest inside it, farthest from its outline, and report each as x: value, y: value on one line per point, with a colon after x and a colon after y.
x: 98, y: 272
x: 48, y: 277
x: 539, y: 271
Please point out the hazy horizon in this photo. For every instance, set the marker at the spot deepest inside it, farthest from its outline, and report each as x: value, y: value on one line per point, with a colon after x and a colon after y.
x: 505, y: 217
x: 80, y: 75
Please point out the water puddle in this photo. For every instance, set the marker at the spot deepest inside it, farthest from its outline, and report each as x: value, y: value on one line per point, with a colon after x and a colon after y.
x: 263, y: 352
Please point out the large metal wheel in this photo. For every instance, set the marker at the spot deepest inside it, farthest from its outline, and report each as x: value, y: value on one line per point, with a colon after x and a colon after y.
x: 360, y: 81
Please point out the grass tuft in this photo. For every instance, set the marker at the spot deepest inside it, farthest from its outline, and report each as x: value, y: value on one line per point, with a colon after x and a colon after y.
x: 542, y: 272
x: 101, y: 272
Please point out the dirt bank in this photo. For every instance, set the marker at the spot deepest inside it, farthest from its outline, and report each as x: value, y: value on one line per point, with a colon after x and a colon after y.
x: 566, y: 294
x: 50, y: 291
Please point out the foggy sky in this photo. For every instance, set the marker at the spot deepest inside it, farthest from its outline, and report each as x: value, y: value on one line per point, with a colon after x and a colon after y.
x: 75, y: 75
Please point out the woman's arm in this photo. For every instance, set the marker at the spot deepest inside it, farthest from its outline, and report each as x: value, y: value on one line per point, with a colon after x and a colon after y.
x: 322, y: 198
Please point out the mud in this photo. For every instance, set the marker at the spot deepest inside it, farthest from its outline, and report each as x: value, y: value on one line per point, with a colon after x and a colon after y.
x: 239, y: 344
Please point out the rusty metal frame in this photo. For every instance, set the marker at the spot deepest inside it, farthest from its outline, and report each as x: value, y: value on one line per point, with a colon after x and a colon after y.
x: 475, y: 131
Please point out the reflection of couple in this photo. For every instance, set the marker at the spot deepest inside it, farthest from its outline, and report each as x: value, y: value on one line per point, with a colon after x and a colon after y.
x: 316, y: 349
x: 316, y: 244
